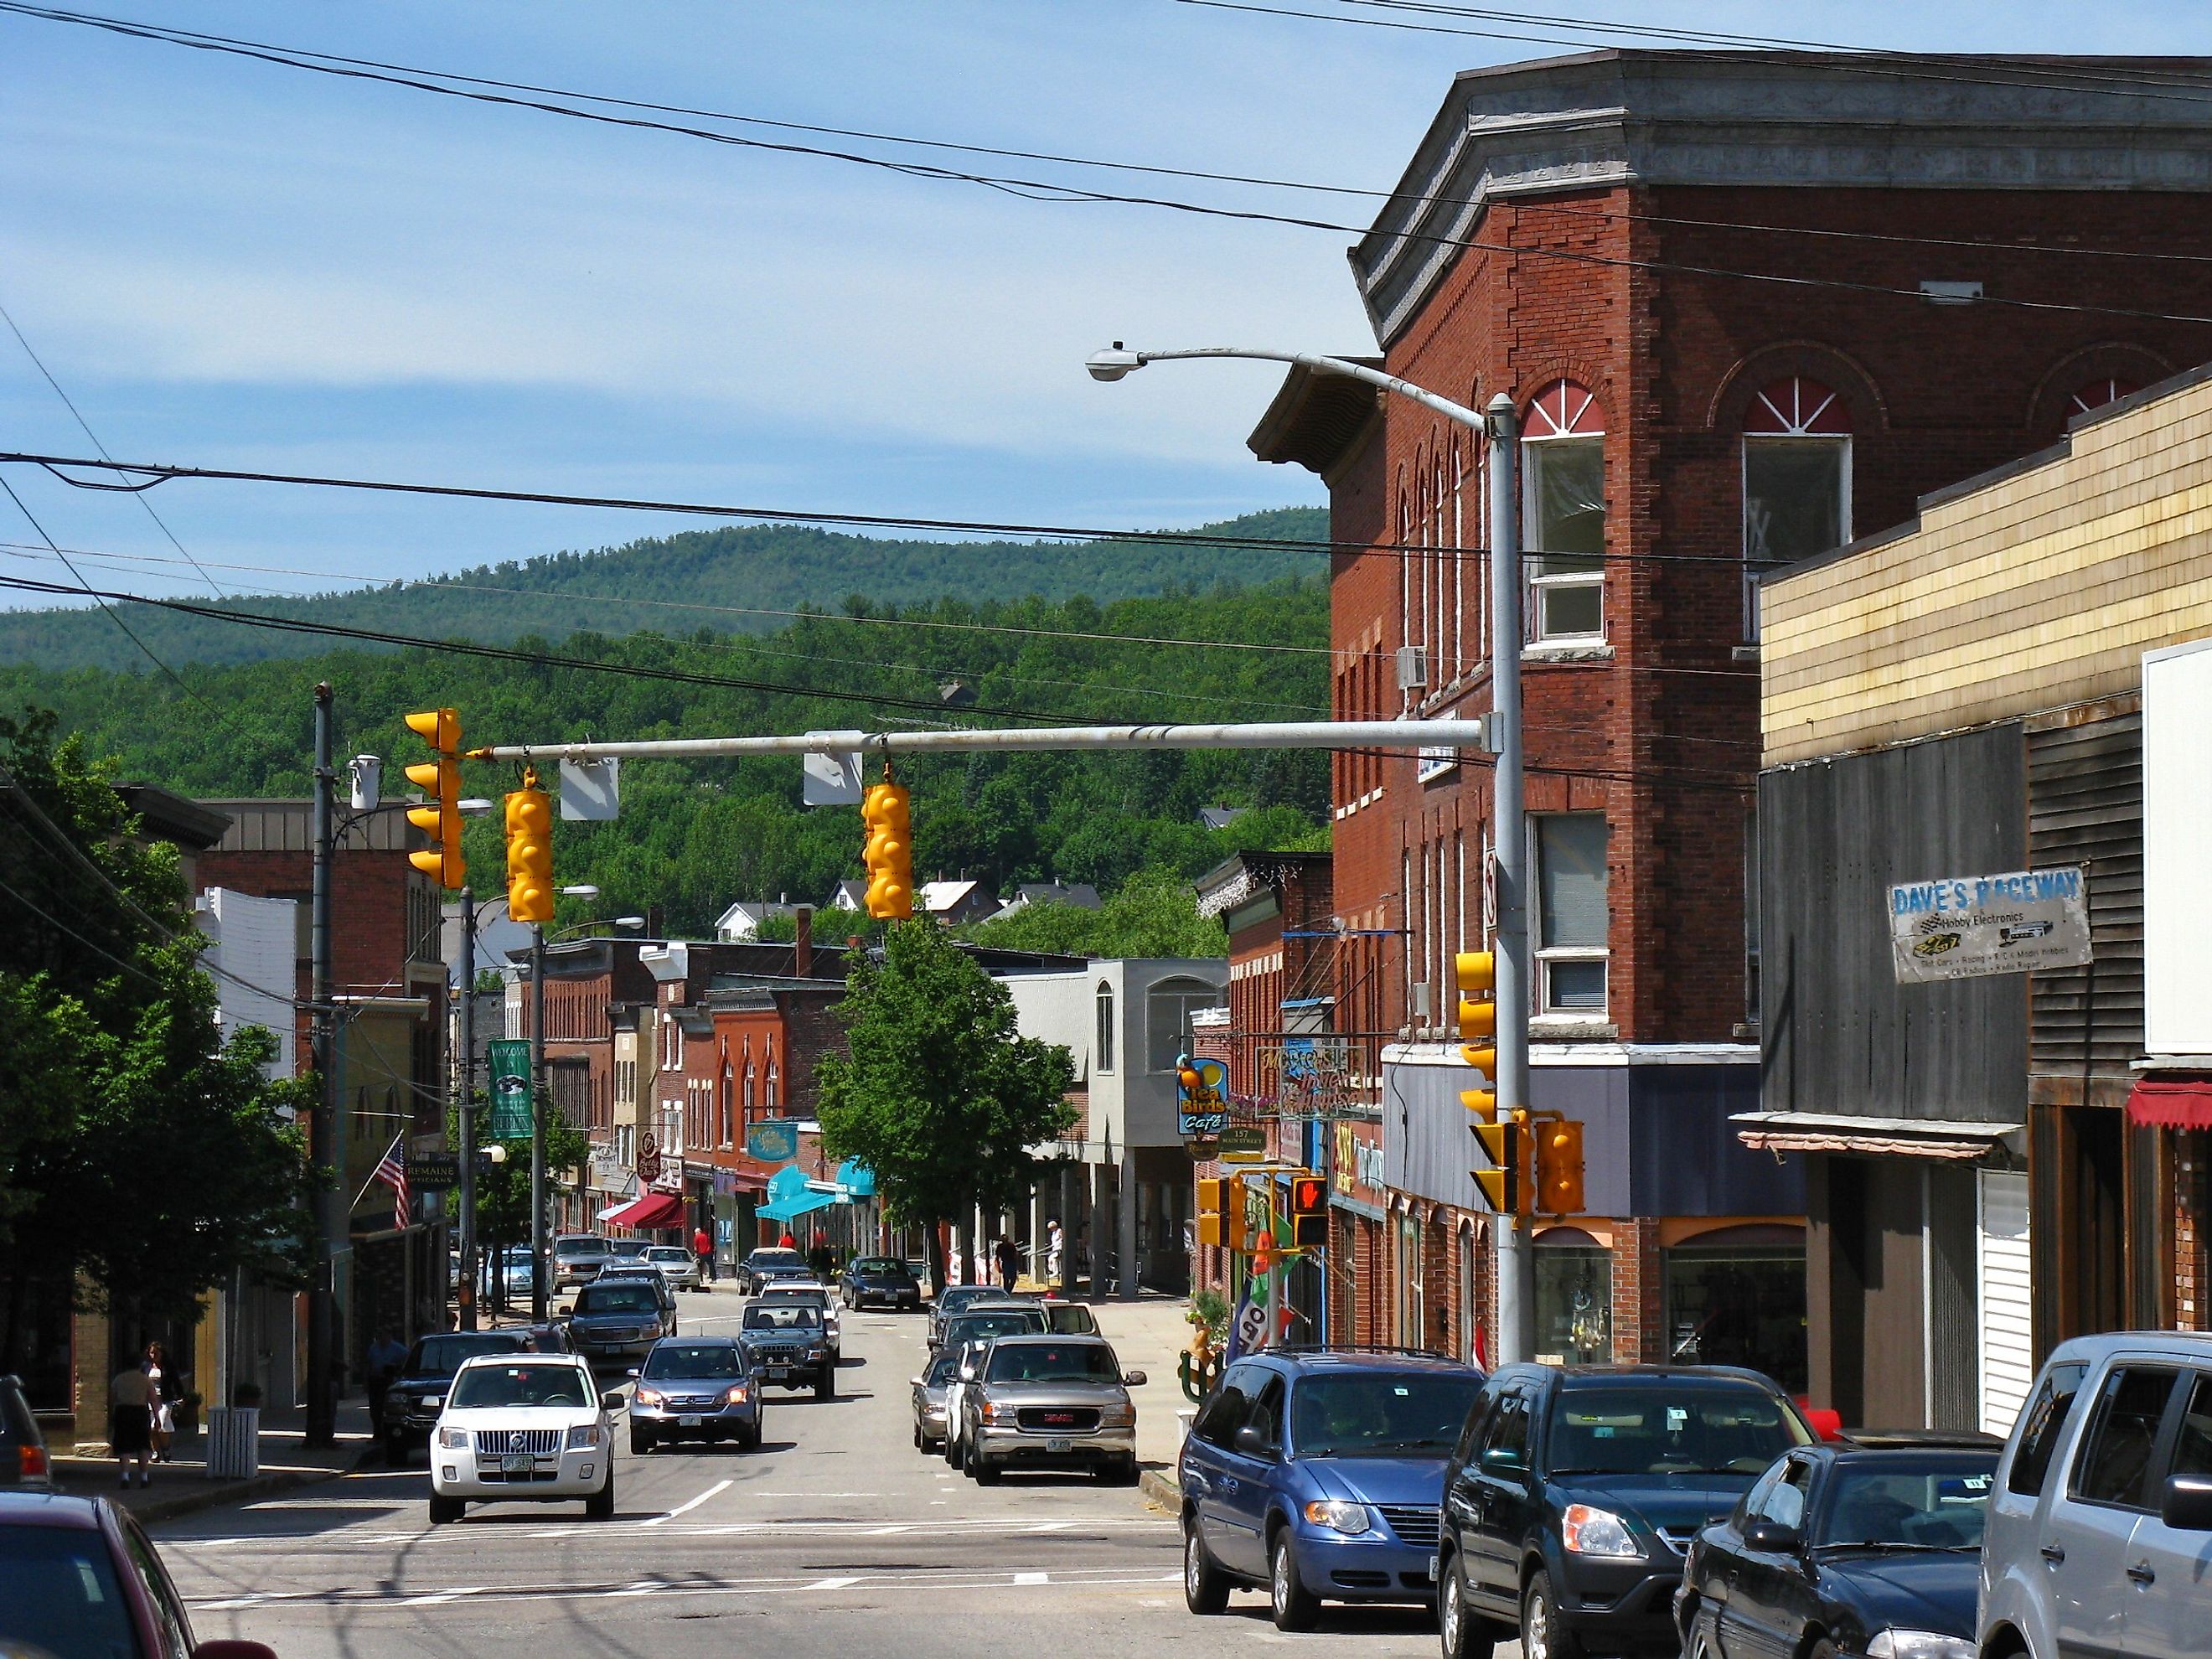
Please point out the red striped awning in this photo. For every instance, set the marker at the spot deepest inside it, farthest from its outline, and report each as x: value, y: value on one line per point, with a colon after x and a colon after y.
x: 2172, y: 1102
x: 653, y: 1210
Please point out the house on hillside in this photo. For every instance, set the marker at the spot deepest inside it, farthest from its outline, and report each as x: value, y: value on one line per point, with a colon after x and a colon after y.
x: 1080, y: 894
x: 954, y: 901
x: 742, y: 921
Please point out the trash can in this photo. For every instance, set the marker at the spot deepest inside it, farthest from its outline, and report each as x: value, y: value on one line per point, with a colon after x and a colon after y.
x: 233, y: 1450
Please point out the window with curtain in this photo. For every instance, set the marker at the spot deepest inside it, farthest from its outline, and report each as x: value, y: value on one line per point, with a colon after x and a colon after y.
x: 1796, y: 480
x: 1571, y: 914
x: 1563, y: 513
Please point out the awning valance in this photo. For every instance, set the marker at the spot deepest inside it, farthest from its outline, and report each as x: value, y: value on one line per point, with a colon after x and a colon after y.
x: 2172, y: 1102
x: 1953, y: 1139
x: 653, y: 1210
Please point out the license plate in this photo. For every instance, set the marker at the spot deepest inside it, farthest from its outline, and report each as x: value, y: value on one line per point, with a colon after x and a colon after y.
x: 690, y: 1422
x: 517, y: 1463
x: 1057, y: 1445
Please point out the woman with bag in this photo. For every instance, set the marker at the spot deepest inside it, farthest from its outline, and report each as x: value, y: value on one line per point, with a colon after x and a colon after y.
x: 162, y: 1395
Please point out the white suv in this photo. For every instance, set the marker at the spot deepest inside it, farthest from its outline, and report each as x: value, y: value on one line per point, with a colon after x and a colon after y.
x: 2101, y: 1520
x: 524, y: 1428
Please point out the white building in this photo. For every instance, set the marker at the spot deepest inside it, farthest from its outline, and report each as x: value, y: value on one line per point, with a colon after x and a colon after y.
x: 253, y: 954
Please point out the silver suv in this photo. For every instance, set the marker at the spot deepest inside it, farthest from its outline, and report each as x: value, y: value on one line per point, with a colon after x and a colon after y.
x: 2101, y: 1518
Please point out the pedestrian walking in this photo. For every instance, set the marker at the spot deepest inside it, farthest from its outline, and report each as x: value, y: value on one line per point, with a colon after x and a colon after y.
x: 162, y: 1422
x: 131, y: 1399
x: 1010, y: 1262
x: 703, y: 1246
x: 1054, y: 1243
x: 387, y: 1358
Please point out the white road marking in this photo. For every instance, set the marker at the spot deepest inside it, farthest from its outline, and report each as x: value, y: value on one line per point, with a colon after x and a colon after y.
x: 1032, y: 1578
x: 856, y: 1527
x: 686, y: 1507
x: 437, y: 1596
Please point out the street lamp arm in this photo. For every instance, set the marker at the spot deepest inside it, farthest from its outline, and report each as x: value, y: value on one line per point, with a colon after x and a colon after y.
x: 1114, y: 364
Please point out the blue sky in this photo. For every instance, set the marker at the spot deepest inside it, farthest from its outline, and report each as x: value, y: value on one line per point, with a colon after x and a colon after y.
x: 229, y: 263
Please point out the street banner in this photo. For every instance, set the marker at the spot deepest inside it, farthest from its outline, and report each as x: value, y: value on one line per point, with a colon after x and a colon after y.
x: 1247, y: 1332
x: 1969, y: 926
x: 510, y: 1090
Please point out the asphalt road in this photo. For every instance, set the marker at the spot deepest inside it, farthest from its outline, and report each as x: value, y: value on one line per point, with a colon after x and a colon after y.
x: 835, y: 1538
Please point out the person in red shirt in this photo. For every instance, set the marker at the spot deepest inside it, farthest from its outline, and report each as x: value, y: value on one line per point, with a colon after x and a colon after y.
x: 703, y: 1246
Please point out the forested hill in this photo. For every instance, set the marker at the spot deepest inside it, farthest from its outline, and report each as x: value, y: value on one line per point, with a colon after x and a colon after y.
x: 725, y: 580
x: 694, y: 836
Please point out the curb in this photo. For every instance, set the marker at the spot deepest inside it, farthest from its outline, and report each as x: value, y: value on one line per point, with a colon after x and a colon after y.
x: 214, y: 1492
x: 1161, y: 1490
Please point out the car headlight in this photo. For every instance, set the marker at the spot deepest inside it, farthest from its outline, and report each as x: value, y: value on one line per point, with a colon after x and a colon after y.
x: 650, y: 1396
x: 1118, y: 1417
x: 453, y: 1439
x: 583, y: 1436
x: 736, y: 1396
x: 1918, y: 1644
x: 817, y: 1352
x: 1590, y: 1531
x: 1337, y: 1517
x: 431, y: 1402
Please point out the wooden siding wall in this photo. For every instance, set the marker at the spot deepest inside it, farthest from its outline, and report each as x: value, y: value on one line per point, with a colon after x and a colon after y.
x: 1839, y: 1034
x: 2040, y: 587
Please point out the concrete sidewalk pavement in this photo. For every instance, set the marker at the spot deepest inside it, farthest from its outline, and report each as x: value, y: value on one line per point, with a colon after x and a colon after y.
x: 183, y: 1486
x: 1149, y: 1336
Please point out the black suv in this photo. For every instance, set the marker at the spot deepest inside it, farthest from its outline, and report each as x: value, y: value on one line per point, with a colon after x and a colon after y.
x: 417, y: 1395
x: 22, y: 1449
x: 1575, y: 1491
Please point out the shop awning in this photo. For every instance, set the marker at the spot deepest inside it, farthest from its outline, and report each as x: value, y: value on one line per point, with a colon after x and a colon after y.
x: 785, y: 1209
x: 1954, y: 1139
x: 2172, y: 1102
x: 653, y: 1210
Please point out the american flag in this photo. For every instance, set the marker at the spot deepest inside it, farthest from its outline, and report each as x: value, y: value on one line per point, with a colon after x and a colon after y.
x: 393, y: 1172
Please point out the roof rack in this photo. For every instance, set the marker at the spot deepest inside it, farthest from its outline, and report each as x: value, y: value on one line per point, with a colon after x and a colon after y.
x: 1355, y: 1347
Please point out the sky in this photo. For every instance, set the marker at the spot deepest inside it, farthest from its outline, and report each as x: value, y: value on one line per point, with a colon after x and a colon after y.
x: 225, y: 262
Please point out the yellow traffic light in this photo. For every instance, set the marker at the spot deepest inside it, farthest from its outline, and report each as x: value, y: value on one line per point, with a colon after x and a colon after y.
x: 1560, y: 1168
x: 1210, y: 1203
x: 440, y: 780
x: 529, y: 852
x: 1476, y: 972
x: 1506, y: 1183
x: 889, y: 853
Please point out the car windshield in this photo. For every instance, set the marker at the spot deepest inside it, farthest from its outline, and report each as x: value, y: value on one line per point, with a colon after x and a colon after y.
x: 788, y: 1314
x: 1379, y: 1413
x: 939, y: 1374
x: 1053, y: 1362
x: 806, y: 1295
x: 592, y: 1245
x: 603, y: 1298
x: 1650, y: 1428
x: 710, y: 1359
x: 59, y: 1597
x: 775, y: 1259
x: 667, y: 1253
x: 954, y: 1298
x: 976, y: 1327
x: 628, y: 1247
x: 441, y: 1355
x: 483, y: 1386
x: 879, y: 1265
x: 1935, y: 1503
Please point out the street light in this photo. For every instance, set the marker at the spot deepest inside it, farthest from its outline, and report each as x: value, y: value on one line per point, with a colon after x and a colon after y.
x: 1516, y: 1264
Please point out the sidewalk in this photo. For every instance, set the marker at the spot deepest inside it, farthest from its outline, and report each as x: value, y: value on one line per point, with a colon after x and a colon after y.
x: 183, y: 1486
x: 1150, y: 1336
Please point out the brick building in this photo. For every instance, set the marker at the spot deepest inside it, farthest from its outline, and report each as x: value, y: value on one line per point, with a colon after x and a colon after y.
x: 1745, y: 305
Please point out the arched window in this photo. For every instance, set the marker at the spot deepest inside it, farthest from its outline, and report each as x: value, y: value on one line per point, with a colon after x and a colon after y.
x: 1103, y: 1048
x: 1796, y: 480
x: 1168, y: 1005
x: 1563, y: 513
x: 772, y: 1081
x: 751, y: 1097
x: 2107, y: 389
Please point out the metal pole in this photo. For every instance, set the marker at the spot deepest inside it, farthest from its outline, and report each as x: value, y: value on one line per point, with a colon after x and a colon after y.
x: 468, y: 1110
x: 322, y: 1399
x: 537, y: 1122
x: 1517, y: 1262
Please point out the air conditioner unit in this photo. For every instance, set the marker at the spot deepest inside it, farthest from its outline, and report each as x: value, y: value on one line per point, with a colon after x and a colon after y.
x: 1413, y: 667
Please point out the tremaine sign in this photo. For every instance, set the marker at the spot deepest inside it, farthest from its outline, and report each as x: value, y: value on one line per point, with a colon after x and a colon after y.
x: 1970, y: 926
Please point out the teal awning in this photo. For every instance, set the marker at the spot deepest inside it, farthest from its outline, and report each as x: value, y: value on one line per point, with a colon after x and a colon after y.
x: 787, y: 1209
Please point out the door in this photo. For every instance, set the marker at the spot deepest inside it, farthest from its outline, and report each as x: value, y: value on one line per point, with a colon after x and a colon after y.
x: 2087, y: 1529
x: 1204, y: 1467
x: 1500, y: 1490
x: 1250, y: 1480
x: 2169, y: 1571
x: 1766, y: 1605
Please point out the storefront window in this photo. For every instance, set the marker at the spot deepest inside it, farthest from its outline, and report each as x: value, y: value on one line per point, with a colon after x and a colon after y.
x: 1737, y: 1298
x: 1574, y: 1298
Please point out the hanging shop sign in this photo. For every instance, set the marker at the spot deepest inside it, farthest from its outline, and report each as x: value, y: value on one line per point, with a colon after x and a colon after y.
x: 1969, y: 926
x: 1201, y: 1099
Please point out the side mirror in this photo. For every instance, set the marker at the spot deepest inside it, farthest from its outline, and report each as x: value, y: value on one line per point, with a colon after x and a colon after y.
x: 1133, y: 1379
x: 1773, y: 1538
x: 1501, y: 1457
x: 613, y: 1400
x: 914, y: 1382
x: 223, y: 1648
x: 565, y: 1309
x: 632, y: 1371
x: 2186, y: 1503
x: 1252, y: 1443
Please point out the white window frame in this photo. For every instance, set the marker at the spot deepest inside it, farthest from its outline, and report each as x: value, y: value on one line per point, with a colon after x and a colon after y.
x: 1103, y: 1038
x: 1539, y: 587
x: 1546, y: 957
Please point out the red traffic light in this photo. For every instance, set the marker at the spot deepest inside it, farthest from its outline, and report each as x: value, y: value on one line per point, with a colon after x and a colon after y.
x: 1308, y: 1194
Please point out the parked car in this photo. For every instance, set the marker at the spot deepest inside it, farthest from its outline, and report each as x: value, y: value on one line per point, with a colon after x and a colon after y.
x: 966, y: 1335
x: 788, y: 1345
x: 2101, y: 1520
x: 814, y: 1294
x: 1051, y: 1402
x: 641, y: 1272
x: 1871, y: 1544
x: 929, y: 1390
x: 1572, y: 1495
x: 755, y: 1266
x: 1316, y: 1474
x: 696, y: 1387
x: 677, y: 1267
x: 78, y: 1575
x: 881, y: 1279
x: 417, y: 1395
x: 950, y: 1301
x: 524, y: 1428
x: 1071, y: 1319
x: 507, y: 1270
x: 577, y: 1258
x: 619, y: 1318
x: 23, y: 1460
x: 628, y: 1249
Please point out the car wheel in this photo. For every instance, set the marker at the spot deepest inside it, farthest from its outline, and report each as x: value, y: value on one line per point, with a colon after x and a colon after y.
x: 1543, y: 1635
x: 918, y: 1444
x: 1291, y: 1605
x: 443, y: 1510
x: 1823, y: 1648
x: 1462, y: 1633
x: 640, y: 1442
x: 600, y: 1505
x: 953, y: 1451
x: 1203, y: 1590
x: 985, y: 1471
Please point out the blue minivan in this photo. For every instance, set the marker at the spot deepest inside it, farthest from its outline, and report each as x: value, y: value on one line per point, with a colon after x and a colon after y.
x: 1317, y: 1474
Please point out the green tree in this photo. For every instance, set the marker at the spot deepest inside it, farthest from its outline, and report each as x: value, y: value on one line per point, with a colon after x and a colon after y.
x: 503, y: 1192
x: 1154, y: 915
x: 940, y: 1096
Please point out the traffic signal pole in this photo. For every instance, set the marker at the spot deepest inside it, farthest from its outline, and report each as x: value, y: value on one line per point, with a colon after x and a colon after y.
x: 467, y: 1194
x: 537, y: 1263
x: 324, y: 1215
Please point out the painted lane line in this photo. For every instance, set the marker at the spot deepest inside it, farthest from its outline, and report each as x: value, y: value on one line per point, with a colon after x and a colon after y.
x: 435, y: 1597
x: 1032, y: 1578
x: 686, y: 1507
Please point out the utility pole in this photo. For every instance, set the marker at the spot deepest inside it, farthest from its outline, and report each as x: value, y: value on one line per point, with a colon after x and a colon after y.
x: 538, y: 1241
x: 326, y: 1216
x: 467, y: 1187
x: 1517, y: 1261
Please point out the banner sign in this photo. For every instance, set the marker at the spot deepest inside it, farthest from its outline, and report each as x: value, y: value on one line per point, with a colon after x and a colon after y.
x: 775, y: 1141
x: 1971, y: 926
x: 1202, y: 1110
x: 1247, y: 1332
x: 510, y: 1090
